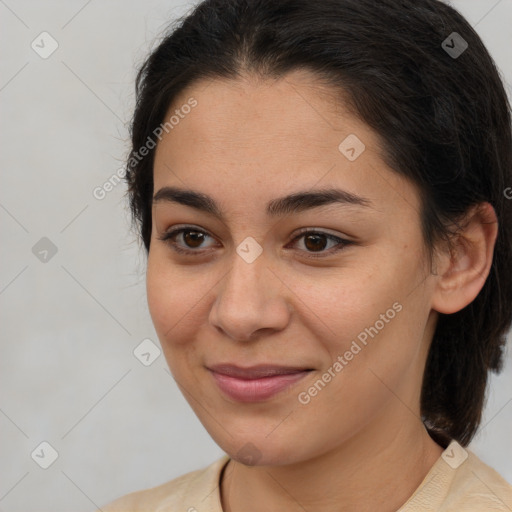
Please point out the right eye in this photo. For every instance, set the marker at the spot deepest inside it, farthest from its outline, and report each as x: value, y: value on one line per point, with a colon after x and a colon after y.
x: 191, y: 237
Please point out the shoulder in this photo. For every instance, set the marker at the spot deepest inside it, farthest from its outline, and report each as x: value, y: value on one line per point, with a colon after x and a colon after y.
x: 459, y: 480
x: 197, y: 490
x: 477, y: 485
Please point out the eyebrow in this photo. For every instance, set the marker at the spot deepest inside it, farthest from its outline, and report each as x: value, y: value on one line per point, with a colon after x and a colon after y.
x: 293, y: 203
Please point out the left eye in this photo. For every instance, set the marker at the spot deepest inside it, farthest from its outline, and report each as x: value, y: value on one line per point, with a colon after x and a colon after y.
x: 314, y: 241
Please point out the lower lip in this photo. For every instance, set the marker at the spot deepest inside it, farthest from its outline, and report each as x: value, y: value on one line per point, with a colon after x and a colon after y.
x: 255, y: 390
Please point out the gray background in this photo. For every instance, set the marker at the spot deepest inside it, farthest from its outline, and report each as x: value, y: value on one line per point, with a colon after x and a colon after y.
x: 69, y: 324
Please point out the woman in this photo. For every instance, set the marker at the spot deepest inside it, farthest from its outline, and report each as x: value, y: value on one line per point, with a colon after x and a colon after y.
x: 320, y: 187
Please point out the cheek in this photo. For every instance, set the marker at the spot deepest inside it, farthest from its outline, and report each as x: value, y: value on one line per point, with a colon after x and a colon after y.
x: 348, y: 304
x: 370, y: 319
x: 171, y: 308
x: 381, y: 358
x: 171, y: 298
x: 159, y: 295
x: 179, y: 299
x: 371, y: 364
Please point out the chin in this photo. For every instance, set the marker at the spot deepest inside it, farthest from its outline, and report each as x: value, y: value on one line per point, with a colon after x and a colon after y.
x: 264, y: 449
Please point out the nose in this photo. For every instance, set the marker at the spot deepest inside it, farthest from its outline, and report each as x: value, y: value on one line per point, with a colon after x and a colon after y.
x: 251, y: 300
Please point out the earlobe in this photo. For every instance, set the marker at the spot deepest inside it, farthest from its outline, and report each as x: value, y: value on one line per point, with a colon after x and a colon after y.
x: 464, y: 266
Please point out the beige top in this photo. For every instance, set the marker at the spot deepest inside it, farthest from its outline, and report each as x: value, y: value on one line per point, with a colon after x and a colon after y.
x: 458, y: 482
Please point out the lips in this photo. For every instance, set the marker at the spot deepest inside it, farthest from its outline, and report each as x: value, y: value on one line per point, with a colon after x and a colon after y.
x: 256, y: 383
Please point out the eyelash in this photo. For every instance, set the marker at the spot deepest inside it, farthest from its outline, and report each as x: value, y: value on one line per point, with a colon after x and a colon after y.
x: 168, y: 236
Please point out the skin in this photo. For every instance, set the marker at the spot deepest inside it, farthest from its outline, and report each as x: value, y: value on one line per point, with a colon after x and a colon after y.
x: 359, y: 444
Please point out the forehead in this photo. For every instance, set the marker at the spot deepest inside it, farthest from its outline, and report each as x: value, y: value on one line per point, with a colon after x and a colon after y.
x: 295, y: 111
x: 254, y: 137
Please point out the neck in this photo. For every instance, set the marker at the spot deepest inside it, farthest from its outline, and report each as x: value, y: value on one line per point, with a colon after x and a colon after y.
x: 375, y: 470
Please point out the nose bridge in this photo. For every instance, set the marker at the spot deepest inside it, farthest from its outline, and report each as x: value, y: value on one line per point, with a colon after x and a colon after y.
x: 247, y: 299
x: 247, y: 281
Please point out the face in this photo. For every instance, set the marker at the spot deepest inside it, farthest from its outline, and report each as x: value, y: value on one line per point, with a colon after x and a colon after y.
x: 313, y: 307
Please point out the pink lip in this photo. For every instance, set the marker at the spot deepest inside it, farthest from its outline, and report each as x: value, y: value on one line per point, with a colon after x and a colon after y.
x: 256, y: 383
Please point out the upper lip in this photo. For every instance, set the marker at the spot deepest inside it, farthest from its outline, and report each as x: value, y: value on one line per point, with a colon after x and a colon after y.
x: 255, y: 372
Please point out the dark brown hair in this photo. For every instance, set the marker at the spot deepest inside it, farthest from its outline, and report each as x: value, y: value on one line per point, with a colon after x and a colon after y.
x: 444, y: 120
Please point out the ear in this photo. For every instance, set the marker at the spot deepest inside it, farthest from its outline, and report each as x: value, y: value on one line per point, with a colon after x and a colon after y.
x: 462, y: 268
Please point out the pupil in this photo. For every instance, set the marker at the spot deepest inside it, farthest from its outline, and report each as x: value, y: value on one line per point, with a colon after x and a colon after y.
x: 315, y: 246
x: 196, y: 238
